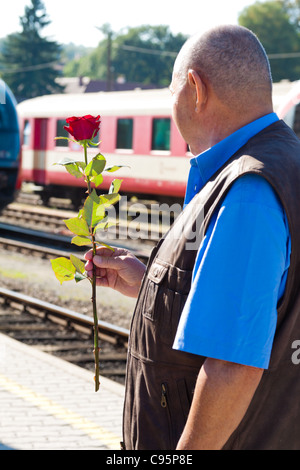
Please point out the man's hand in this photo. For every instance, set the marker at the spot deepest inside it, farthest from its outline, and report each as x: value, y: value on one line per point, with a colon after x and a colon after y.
x: 118, y: 269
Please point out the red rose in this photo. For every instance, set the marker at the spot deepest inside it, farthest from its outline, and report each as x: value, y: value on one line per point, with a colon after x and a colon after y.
x: 83, y: 128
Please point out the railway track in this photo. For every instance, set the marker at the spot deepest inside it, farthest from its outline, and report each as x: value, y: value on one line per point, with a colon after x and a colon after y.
x: 63, y: 333
x: 50, y: 328
x: 53, y: 329
x: 143, y: 221
x: 49, y: 245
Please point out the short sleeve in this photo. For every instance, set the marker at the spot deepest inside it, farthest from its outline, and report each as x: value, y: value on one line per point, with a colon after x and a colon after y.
x: 239, y: 274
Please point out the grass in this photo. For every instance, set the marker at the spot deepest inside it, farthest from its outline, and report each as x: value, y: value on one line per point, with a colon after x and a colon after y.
x: 12, y: 274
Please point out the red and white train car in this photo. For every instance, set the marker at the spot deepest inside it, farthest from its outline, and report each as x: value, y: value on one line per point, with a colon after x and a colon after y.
x: 136, y: 131
x: 289, y: 107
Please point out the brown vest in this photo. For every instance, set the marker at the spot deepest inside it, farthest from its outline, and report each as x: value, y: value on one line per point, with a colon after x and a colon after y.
x: 160, y: 380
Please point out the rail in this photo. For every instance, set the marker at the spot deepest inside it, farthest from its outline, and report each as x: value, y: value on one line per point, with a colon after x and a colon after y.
x: 23, y: 238
x: 111, y: 332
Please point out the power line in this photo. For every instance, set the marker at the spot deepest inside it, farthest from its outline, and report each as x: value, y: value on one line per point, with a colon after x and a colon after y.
x: 288, y: 55
x: 148, y: 51
x: 30, y: 68
x: 51, y: 64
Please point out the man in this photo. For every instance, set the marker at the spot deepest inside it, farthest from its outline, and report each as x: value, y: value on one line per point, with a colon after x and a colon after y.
x: 209, y: 363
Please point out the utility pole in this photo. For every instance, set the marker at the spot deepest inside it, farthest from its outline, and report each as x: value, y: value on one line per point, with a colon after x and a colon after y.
x: 106, y: 29
x: 109, y: 81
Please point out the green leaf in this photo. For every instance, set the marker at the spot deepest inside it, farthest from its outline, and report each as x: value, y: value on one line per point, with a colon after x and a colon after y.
x: 104, y: 244
x: 95, y: 196
x: 70, y: 161
x: 115, y: 186
x: 97, y: 180
x: 110, y: 199
x: 104, y: 225
x: 81, y: 165
x: 81, y: 241
x: 64, y: 269
x: 79, y: 265
x: 93, y: 211
x: 115, y: 168
x: 78, y: 226
x: 94, y: 144
x: 73, y: 167
x: 96, y: 166
x: 65, y: 138
x: 80, y: 277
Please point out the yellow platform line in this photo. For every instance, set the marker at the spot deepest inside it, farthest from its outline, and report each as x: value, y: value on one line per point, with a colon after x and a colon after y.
x: 75, y: 420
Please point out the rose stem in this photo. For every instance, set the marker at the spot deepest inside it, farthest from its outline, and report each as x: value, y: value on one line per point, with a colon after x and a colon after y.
x: 96, y: 324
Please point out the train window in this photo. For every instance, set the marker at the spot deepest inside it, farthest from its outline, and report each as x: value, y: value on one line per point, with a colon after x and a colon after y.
x: 161, y: 134
x: 61, y: 132
x: 124, y: 133
x: 26, y: 133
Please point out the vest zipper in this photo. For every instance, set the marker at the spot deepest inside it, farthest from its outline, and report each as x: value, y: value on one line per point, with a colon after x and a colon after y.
x: 164, y: 404
x: 163, y: 400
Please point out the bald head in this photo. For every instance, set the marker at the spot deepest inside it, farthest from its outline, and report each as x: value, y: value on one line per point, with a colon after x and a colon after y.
x: 233, y: 61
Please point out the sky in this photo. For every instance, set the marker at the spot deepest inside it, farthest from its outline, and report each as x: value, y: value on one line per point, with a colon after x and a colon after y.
x: 77, y: 20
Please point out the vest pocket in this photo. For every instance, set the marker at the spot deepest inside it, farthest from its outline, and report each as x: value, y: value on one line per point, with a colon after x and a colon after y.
x: 156, y: 276
x: 170, y: 304
x: 163, y: 305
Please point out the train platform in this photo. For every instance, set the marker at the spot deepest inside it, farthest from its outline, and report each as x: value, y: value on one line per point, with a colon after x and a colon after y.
x: 49, y: 404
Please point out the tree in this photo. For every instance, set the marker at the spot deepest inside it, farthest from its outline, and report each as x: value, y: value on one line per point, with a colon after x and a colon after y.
x: 147, y: 53
x: 28, y: 61
x: 272, y: 24
x: 292, y: 7
x: 144, y: 54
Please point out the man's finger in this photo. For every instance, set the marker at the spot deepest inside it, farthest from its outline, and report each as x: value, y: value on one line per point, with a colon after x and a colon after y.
x: 107, y: 262
x: 103, y: 250
x: 88, y: 255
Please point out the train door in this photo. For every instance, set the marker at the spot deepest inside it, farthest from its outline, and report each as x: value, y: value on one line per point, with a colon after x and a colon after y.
x: 39, y: 150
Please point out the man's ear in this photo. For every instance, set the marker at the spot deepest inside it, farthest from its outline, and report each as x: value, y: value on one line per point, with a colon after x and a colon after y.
x: 200, y: 90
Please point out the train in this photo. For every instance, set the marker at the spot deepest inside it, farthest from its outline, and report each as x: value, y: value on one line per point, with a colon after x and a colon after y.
x: 136, y: 131
x: 289, y: 107
x: 10, y: 146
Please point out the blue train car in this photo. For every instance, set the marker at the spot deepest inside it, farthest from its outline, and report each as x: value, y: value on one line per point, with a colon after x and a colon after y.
x: 9, y: 146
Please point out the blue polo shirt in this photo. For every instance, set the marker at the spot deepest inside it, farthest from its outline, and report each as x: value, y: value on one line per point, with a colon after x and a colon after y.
x: 242, y: 264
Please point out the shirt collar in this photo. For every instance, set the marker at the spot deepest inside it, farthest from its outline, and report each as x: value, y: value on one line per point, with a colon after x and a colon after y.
x: 207, y: 163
